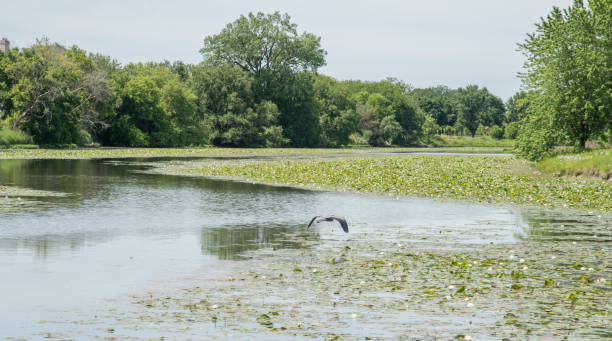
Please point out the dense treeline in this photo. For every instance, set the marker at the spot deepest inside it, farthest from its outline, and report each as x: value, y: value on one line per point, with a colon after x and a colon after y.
x: 257, y: 86
x: 65, y: 96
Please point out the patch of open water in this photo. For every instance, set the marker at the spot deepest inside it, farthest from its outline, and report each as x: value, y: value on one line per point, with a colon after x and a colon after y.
x: 118, y: 232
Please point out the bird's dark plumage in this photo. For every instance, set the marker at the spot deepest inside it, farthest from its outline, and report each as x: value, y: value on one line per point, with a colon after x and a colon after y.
x: 341, y: 220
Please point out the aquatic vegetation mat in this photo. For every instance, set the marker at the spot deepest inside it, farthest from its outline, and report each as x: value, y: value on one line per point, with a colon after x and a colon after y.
x: 375, y: 286
x: 93, y: 153
x: 491, y: 179
x: 15, y: 199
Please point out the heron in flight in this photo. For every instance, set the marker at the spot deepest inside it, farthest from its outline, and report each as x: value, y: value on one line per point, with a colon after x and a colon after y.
x: 341, y: 220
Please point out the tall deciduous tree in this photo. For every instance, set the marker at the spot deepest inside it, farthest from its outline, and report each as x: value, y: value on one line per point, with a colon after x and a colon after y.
x: 269, y: 47
x: 569, y: 66
x: 477, y: 106
x: 265, y: 42
x: 230, y: 109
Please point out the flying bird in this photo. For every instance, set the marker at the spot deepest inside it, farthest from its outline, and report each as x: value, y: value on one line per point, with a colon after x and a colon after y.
x: 341, y: 220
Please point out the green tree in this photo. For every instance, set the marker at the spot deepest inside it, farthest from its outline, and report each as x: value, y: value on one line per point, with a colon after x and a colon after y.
x: 569, y: 63
x: 269, y: 47
x: 477, y: 106
x: 436, y: 102
x: 265, y: 42
x: 338, y: 119
x: 56, y: 94
x: 154, y: 109
x: 226, y: 100
x: 516, y: 107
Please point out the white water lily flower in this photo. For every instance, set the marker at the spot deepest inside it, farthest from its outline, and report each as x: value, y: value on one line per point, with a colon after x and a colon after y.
x: 525, y: 268
x: 362, y: 282
x: 469, y: 305
x: 467, y: 337
x: 521, y: 260
x: 583, y: 268
x: 314, y: 270
x: 353, y: 316
x: 512, y: 256
x: 553, y: 257
x: 214, y: 306
x: 451, y: 287
x: 263, y: 277
x: 475, y: 262
x: 490, y: 269
x: 590, y: 269
x: 448, y: 297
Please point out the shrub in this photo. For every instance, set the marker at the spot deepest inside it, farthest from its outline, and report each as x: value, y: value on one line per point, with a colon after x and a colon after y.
x: 496, y: 132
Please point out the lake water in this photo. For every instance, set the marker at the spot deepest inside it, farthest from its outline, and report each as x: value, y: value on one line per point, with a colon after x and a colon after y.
x: 109, y: 231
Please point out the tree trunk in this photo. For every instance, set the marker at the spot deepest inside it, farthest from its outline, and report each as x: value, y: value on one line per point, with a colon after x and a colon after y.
x: 582, y: 142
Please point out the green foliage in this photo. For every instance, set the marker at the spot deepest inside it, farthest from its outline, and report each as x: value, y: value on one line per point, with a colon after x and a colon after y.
x: 294, y: 97
x: 269, y: 42
x: 537, y: 133
x: 337, y: 115
x: 10, y: 137
x: 516, y: 107
x: 229, y: 107
x: 481, y: 130
x: 54, y: 92
x: 430, y: 128
x: 155, y: 109
x: 280, y: 60
x: 375, y: 101
x: 496, y: 132
x: 436, y: 102
x: 477, y: 106
x: 511, y: 130
x: 390, y: 128
x: 569, y: 62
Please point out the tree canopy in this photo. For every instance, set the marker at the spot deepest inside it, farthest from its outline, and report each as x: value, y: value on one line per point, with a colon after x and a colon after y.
x: 568, y: 68
x: 257, y: 86
x: 265, y: 42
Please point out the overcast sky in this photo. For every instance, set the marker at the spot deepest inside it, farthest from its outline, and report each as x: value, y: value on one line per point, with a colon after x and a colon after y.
x: 424, y: 43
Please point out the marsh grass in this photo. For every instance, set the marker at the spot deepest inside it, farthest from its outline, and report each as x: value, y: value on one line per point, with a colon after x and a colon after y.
x: 9, y: 137
x: 596, y: 163
x: 491, y: 179
x: 468, y: 141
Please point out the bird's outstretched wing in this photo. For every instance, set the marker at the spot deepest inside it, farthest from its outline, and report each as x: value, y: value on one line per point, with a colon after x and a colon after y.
x: 312, y: 221
x: 342, y: 222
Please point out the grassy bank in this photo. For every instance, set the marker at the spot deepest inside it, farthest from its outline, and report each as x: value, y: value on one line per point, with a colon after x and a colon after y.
x: 9, y: 137
x: 597, y: 163
x: 471, y: 178
x: 468, y: 141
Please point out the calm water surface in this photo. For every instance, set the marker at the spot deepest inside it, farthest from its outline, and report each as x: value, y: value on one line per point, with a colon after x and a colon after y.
x: 117, y: 232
